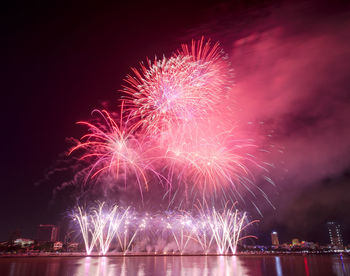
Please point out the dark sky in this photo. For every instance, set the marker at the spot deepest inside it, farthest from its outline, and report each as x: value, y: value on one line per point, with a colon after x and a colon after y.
x: 61, y: 60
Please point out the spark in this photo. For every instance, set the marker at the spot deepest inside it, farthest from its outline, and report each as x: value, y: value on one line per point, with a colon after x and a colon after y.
x: 169, y: 92
x: 211, y: 229
x: 112, y: 148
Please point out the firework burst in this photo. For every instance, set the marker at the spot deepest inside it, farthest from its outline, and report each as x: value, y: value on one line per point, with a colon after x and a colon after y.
x: 170, y: 92
x: 211, y: 163
x: 112, y: 148
x: 176, y: 124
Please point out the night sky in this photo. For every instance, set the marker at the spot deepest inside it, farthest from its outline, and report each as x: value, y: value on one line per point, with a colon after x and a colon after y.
x: 292, y: 76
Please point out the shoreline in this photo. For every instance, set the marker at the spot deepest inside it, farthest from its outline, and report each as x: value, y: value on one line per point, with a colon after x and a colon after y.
x: 29, y: 255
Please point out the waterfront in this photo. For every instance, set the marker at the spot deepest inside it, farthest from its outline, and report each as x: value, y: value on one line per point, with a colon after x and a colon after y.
x: 177, y: 265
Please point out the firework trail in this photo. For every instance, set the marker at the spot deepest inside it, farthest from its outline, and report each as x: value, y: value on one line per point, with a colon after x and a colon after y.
x: 99, y: 226
x: 226, y: 227
x: 128, y: 232
x: 111, y: 222
x: 182, y: 228
x: 212, y: 230
x: 203, y: 234
x: 86, y: 230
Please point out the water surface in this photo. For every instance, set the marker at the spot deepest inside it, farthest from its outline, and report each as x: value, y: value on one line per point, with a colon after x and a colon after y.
x: 176, y: 265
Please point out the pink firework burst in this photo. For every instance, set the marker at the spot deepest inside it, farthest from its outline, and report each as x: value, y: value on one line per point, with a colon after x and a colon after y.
x: 112, y: 148
x: 179, y: 124
x: 184, y: 88
x: 211, y: 163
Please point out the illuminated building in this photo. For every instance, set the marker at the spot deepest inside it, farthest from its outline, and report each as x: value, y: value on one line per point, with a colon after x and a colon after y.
x: 295, y: 242
x: 334, y: 234
x: 47, y: 233
x: 23, y: 242
x: 73, y: 246
x: 57, y: 246
x: 274, y: 239
x: 309, y: 245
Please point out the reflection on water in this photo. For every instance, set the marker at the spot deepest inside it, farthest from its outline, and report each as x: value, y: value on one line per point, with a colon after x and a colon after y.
x: 306, y: 267
x: 177, y: 265
x: 278, y: 266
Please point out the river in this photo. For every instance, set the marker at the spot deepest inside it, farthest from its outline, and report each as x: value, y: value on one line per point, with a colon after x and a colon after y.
x: 177, y: 265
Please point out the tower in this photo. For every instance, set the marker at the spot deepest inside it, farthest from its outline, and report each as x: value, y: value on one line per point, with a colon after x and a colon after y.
x: 335, y: 236
x: 274, y: 238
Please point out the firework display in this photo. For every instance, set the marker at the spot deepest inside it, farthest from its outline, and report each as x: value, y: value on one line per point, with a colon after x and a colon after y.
x: 175, y: 132
x: 177, y: 232
x: 99, y: 226
x: 175, y: 128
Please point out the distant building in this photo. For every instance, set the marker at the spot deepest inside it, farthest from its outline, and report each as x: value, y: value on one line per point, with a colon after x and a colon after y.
x: 57, y: 245
x: 274, y: 239
x: 295, y: 242
x: 73, y: 246
x: 335, y: 236
x: 23, y: 242
x: 309, y: 245
x: 285, y: 246
x: 47, y: 233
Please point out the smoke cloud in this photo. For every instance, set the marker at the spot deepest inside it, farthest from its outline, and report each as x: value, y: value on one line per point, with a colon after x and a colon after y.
x: 292, y: 76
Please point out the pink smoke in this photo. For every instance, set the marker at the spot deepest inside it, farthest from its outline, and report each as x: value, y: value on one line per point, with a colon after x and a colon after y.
x: 296, y: 81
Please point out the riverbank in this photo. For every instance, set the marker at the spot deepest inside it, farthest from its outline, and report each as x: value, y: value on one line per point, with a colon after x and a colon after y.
x: 141, y: 254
